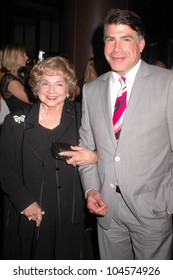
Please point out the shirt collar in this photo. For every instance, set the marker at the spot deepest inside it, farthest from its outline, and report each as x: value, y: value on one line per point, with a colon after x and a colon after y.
x: 130, y: 76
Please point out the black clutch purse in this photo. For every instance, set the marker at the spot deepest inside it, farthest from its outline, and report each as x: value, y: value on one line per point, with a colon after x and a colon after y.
x: 58, y: 147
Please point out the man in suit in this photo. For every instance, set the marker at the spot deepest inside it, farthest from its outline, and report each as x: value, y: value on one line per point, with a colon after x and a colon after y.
x: 130, y: 188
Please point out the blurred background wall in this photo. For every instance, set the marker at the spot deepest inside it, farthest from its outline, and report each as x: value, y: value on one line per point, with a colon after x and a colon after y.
x: 74, y: 27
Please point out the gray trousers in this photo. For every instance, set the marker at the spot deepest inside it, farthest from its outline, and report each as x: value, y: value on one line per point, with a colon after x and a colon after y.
x: 127, y: 239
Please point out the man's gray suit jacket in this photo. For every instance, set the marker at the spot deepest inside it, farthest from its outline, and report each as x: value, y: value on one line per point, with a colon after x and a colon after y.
x: 142, y: 162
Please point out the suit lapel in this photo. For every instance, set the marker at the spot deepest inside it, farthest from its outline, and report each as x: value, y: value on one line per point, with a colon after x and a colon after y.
x: 68, y: 116
x: 137, y: 91
x: 32, y: 134
x: 106, y: 105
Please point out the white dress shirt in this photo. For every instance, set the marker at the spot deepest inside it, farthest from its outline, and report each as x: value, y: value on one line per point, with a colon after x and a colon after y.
x: 115, y: 84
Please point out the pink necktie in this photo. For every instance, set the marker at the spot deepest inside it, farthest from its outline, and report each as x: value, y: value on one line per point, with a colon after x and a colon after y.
x: 119, y: 109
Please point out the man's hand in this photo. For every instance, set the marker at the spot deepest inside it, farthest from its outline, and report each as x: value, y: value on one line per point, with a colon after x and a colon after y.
x: 95, y: 203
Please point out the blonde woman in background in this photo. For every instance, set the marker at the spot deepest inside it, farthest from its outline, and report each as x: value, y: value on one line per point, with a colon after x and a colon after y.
x: 3, y: 107
x: 90, y: 73
x: 14, y: 88
x: 1, y: 56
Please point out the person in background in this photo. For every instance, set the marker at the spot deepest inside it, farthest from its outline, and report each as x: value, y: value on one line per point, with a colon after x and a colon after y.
x: 130, y: 187
x: 160, y: 63
x: 1, y: 57
x: 14, y: 89
x: 90, y: 73
x: 3, y: 112
x: 3, y: 107
x: 28, y: 67
x: 44, y: 201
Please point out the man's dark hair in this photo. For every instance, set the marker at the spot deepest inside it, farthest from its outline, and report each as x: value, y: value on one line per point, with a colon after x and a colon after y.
x: 126, y: 17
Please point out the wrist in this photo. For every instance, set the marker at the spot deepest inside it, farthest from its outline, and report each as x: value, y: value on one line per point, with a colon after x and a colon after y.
x: 86, y: 193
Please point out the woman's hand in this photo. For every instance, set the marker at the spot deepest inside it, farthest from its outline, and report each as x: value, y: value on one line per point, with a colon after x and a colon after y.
x: 80, y: 156
x: 33, y: 212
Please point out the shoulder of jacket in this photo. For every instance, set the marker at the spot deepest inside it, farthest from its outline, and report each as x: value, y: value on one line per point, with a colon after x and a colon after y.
x: 18, y: 116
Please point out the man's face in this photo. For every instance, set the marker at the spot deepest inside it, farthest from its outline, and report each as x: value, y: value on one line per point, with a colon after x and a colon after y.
x: 123, y: 47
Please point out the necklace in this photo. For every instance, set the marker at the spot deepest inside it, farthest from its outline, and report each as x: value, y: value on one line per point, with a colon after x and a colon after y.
x: 44, y: 117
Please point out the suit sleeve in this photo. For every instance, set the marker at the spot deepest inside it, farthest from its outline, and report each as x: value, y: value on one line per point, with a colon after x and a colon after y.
x: 170, y: 112
x: 170, y: 128
x: 88, y: 173
x: 11, y: 164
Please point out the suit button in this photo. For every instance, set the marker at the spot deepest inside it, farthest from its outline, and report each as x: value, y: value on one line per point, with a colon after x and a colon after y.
x: 117, y: 158
x: 112, y: 185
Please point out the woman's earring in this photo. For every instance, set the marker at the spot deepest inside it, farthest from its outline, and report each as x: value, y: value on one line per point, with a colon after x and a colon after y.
x: 67, y: 96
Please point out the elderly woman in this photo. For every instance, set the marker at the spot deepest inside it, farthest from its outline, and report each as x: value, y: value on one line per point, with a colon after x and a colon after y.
x: 44, y: 204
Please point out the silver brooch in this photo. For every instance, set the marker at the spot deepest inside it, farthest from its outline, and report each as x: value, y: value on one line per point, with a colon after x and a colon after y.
x: 19, y: 119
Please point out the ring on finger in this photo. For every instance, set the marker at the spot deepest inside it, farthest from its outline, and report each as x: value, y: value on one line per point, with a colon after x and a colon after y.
x: 29, y: 218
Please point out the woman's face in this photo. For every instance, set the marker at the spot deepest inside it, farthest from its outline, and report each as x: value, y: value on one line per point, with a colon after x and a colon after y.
x: 22, y: 59
x: 52, y: 90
